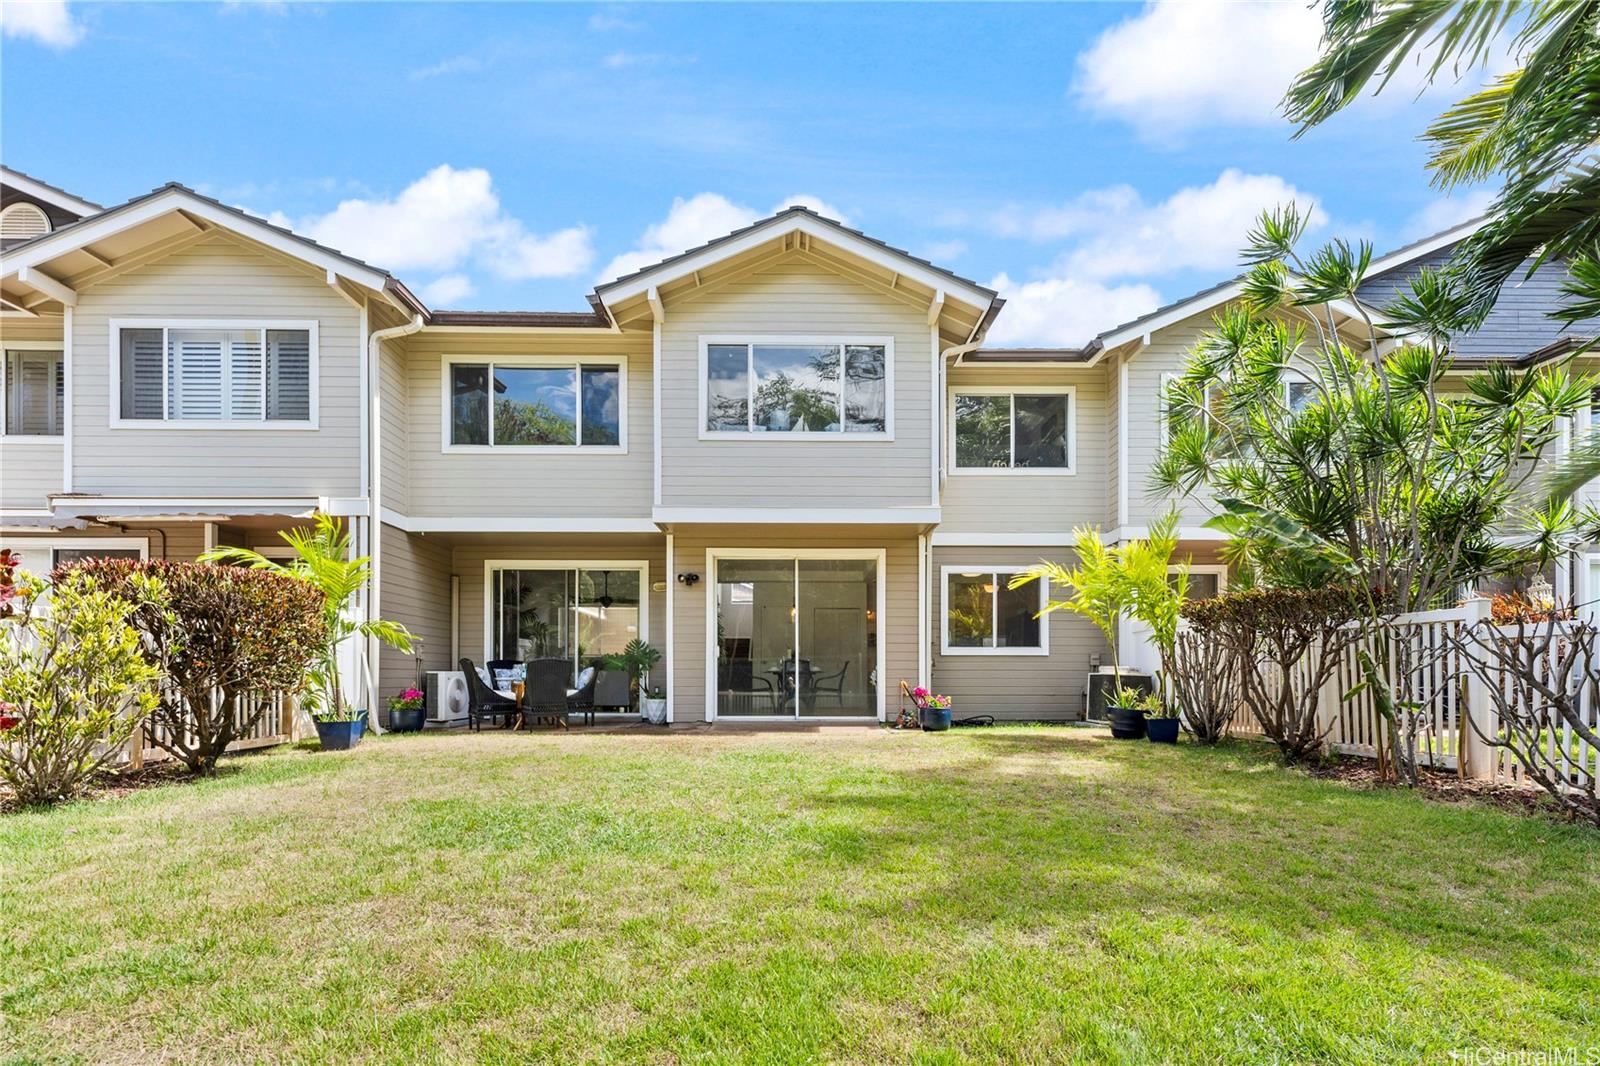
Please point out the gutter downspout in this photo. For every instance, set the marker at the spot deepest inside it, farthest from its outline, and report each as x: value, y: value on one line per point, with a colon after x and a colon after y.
x: 374, y: 478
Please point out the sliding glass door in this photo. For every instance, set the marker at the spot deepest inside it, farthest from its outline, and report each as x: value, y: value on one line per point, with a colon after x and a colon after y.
x: 796, y: 636
x: 578, y: 613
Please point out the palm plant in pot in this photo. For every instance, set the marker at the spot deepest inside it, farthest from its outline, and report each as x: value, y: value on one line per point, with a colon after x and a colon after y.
x: 1110, y: 584
x: 322, y: 557
x: 638, y: 659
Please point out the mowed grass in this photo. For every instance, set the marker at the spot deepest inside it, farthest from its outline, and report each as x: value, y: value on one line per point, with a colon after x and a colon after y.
x: 1014, y: 894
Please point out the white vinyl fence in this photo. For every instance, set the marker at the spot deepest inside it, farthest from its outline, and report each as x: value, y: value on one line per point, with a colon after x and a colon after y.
x: 1428, y: 667
x: 279, y: 724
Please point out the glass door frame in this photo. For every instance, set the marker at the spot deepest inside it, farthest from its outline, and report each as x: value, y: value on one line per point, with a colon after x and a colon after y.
x: 877, y: 556
x: 491, y: 565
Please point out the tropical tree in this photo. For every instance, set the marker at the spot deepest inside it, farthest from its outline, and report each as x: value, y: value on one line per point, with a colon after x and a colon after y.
x: 1384, y: 473
x: 322, y: 558
x: 1536, y: 127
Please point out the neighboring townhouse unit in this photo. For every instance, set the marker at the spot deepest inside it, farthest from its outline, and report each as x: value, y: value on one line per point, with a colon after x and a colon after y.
x: 785, y: 458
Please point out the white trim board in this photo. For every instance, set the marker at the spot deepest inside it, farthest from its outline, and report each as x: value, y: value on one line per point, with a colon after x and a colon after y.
x: 535, y: 362
x: 996, y: 569
x: 950, y: 538
x: 52, y: 196
x: 510, y: 524
x: 750, y: 340
x: 863, y: 516
x: 878, y: 555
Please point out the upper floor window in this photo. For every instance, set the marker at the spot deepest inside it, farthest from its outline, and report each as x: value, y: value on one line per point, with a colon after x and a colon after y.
x: 33, y: 394
x: 233, y: 374
x: 797, y: 386
x: 529, y: 403
x: 1022, y: 431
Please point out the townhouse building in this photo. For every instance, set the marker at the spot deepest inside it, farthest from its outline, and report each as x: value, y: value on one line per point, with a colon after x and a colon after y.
x: 787, y: 452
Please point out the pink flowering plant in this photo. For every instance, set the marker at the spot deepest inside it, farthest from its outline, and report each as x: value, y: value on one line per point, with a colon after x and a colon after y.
x: 409, y: 700
x: 932, y: 699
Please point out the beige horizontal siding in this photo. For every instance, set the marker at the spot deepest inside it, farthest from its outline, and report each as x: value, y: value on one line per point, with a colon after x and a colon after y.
x: 897, y: 631
x: 29, y: 470
x: 415, y: 575
x: 575, y: 483
x: 394, y: 405
x: 1037, y: 503
x: 217, y: 278
x: 796, y: 296
x: 1167, y: 353
x: 1028, y: 687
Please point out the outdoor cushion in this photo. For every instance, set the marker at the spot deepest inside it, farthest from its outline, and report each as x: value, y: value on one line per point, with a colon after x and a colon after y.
x: 584, y: 677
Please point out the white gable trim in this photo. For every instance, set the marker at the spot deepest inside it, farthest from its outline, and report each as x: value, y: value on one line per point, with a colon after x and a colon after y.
x: 1427, y: 247
x: 654, y: 277
x: 55, y: 197
x: 163, y: 203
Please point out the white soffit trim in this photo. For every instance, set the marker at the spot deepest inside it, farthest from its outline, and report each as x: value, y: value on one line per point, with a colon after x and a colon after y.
x: 170, y: 200
x: 784, y: 224
x: 505, y: 524
x: 49, y: 194
x: 949, y: 538
x: 909, y: 516
x: 1141, y: 331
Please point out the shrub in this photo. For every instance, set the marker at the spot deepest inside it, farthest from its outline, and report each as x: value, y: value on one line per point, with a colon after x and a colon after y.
x: 1204, y: 676
x: 74, y: 682
x: 227, y: 633
x: 1286, y: 643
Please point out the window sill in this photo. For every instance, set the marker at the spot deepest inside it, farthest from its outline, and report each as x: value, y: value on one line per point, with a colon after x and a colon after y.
x: 995, y: 651
x: 32, y: 438
x: 1019, y: 471
x: 740, y: 436
x: 538, y: 449
x: 183, y: 425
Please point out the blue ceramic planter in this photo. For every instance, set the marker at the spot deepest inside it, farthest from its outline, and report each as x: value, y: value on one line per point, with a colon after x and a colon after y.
x: 341, y: 736
x: 935, y: 719
x: 1161, y: 730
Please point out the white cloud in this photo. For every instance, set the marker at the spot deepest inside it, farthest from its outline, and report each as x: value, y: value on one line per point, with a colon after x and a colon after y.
x: 443, y: 220
x: 1118, y: 234
x: 944, y: 251
x: 463, y: 64
x: 623, y: 60
x: 1064, y: 312
x: 697, y: 220
x: 49, y: 22
x: 1450, y: 211
x: 1186, y: 63
x: 606, y: 21
x: 450, y: 289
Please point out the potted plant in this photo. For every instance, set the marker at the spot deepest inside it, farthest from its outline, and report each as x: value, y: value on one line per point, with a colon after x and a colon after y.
x: 1127, y: 708
x: 405, y: 711
x: 323, y: 558
x: 655, y: 706
x: 934, y: 712
x: 1160, y: 720
x: 638, y: 658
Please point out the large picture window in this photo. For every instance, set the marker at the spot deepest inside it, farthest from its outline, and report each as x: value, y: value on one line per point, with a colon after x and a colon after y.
x: 982, y: 616
x: 797, y: 386
x: 561, y: 611
x: 231, y: 374
x: 564, y: 404
x: 1023, y: 431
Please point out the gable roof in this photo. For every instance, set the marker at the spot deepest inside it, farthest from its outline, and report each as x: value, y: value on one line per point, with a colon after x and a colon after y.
x: 50, y: 194
x: 174, y: 197
x: 806, y: 220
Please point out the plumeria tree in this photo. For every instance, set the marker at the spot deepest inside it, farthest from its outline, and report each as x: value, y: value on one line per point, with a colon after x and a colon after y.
x: 1380, y: 468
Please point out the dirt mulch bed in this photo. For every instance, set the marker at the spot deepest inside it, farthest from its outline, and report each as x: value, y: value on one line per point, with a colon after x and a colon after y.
x: 1443, y: 786
x: 116, y: 784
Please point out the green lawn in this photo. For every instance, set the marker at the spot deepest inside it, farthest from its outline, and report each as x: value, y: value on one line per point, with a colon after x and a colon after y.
x: 1016, y: 894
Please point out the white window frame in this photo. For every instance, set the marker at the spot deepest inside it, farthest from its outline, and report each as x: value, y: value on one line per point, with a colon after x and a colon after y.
x: 751, y: 339
x: 1069, y: 391
x: 491, y: 565
x: 167, y: 325
x: 997, y: 570
x: 52, y: 544
x: 5, y: 397
x: 1220, y: 569
x: 878, y: 556
x: 540, y: 362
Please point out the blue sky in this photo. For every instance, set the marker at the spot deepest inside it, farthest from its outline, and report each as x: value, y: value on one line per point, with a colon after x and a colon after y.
x: 1090, y: 160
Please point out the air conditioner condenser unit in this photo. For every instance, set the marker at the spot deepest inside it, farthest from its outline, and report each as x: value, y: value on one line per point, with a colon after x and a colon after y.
x: 445, y: 697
